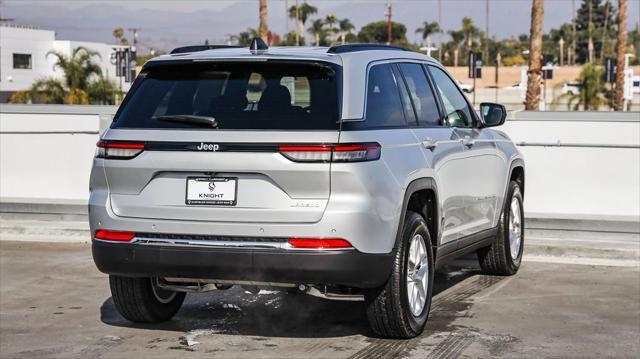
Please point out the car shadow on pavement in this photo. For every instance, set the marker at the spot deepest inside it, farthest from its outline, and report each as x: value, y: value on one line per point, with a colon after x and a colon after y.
x: 272, y: 313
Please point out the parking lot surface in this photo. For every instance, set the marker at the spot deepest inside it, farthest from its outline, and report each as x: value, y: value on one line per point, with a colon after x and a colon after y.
x: 54, y: 303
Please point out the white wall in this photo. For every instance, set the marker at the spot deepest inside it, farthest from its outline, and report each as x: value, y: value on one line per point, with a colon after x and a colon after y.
x: 565, y: 179
x: 46, y: 152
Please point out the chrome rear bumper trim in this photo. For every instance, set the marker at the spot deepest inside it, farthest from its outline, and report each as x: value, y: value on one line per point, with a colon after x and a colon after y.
x: 227, y: 244
x: 210, y: 243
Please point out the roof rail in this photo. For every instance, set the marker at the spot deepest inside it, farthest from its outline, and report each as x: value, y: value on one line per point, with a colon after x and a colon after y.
x: 196, y: 48
x: 339, y: 49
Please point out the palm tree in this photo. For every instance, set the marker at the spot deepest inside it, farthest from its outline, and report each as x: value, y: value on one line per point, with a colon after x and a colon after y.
x: 591, y: 91
x: 345, y: 27
x: 118, y: 33
x: 330, y: 20
x: 302, y: 14
x: 318, y: 31
x: 622, y: 44
x: 102, y: 91
x: 532, y: 99
x: 456, y: 39
x: 77, y: 68
x: 244, y: 38
x: 263, y: 28
x: 470, y: 31
x: 48, y: 90
x: 428, y: 29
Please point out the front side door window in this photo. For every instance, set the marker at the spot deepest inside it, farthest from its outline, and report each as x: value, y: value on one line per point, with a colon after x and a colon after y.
x: 457, y: 110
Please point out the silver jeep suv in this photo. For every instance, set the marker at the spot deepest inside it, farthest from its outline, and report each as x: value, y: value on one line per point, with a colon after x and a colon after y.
x: 349, y: 173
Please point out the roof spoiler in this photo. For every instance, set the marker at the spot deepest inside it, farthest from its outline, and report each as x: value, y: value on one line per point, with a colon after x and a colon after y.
x: 340, y: 49
x: 196, y: 48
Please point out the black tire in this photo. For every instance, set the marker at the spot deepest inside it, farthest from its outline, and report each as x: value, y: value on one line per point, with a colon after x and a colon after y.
x: 497, y: 258
x: 136, y: 301
x: 388, y: 309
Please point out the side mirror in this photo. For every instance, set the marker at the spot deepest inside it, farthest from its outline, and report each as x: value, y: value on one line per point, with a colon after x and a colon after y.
x: 493, y: 114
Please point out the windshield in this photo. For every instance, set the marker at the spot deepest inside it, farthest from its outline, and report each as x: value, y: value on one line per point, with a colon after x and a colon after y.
x: 249, y: 95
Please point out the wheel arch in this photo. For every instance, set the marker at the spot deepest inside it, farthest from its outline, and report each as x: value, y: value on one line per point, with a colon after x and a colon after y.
x: 516, y: 173
x: 421, y: 196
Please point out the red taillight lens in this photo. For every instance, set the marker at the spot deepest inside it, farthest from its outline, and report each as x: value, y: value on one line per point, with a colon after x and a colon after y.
x: 356, y: 152
x: 118, y: 150
x: 319, y: 243
x: 116, y: 236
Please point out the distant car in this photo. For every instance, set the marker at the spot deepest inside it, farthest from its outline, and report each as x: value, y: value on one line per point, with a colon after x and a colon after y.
x: 517, y: 86
x: 465, y: 87
x: 636, y: 84
x: 571, y: 87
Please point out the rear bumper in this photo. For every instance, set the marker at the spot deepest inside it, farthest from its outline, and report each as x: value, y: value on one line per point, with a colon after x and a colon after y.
x: 337, y: 267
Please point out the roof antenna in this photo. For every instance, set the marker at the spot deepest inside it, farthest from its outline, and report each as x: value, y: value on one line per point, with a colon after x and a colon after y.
x: 258, y: 46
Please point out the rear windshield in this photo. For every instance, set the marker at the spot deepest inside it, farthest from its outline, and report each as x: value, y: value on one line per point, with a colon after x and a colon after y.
x: 249, y: 95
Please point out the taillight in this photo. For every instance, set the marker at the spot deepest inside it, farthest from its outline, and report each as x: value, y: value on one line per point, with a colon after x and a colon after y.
x: 116, y: 236
x: 319, y: 243
x: 353, y: 152
x: 118, y: 150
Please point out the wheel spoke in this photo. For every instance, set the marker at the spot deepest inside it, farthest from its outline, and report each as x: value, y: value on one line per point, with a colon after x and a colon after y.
x: 421, y: 274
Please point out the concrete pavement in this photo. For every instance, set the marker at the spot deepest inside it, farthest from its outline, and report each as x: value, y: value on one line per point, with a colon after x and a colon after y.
x: 54, y: 303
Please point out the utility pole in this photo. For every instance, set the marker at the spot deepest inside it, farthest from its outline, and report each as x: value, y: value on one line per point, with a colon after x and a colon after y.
x: 607, y: 5
x: 486, y: 35
x: 134, y: 30
x: 389, y: 25
x: 441, y: 30
x: 573, y: 35
x: 590, y: 42
x: 498, y: 63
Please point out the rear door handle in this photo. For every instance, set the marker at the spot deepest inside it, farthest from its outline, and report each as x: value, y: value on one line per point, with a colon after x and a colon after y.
x: 468, y: 141
x: 430, y: 144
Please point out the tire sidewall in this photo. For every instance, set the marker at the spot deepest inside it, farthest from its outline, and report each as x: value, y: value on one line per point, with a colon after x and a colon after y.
x: 514, y: 192
x: 161, y: 310
x: 414, y: 224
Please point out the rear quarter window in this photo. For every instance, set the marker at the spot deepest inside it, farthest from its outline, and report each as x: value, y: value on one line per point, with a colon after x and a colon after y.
x: 383, y: 105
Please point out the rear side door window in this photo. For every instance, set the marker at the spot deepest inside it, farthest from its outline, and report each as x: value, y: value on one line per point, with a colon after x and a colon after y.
x: 422, y: 96
x: 384, y: 108
x: 457, y: 110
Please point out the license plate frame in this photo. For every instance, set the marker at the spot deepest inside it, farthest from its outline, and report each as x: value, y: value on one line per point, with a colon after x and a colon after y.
x: 201, y: 180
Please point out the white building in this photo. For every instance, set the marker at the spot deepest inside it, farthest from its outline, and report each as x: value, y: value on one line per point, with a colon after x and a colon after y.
x: 23, y: 57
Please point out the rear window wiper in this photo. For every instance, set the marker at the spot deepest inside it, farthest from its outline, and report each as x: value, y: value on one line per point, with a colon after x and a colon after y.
x: 193, y: 119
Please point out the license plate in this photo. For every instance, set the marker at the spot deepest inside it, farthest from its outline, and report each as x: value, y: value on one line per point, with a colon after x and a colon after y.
x: 212, y: 190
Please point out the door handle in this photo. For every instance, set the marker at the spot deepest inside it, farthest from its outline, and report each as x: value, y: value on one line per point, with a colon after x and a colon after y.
x: 430, y: 144
x: 468, y: 141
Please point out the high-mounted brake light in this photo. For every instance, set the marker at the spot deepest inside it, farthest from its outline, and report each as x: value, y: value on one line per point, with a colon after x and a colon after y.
x: 319, y: 243
x: 118, y: 150
x: 116, y: 236
x: 352, y: 152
